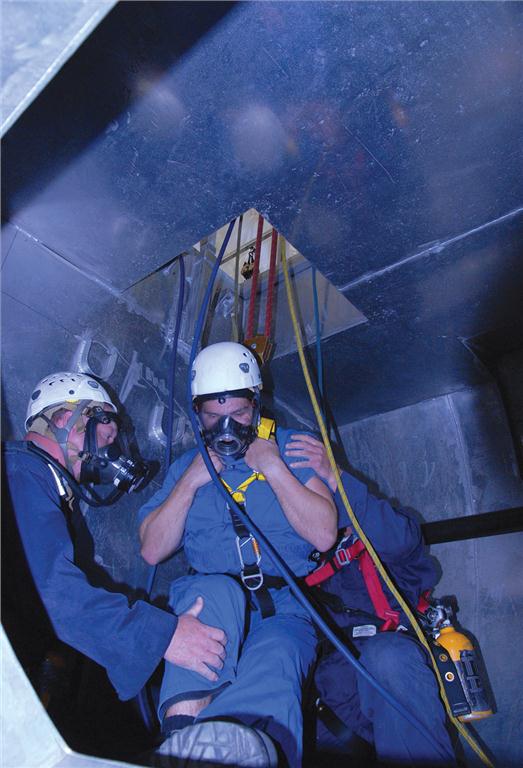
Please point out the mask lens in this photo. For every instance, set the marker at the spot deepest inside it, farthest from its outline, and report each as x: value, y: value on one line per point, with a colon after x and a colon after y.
x: 227, y: 445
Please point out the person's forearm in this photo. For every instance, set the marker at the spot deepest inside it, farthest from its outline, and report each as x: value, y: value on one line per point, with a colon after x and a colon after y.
x: 162, y: 530
x: 312, y: 515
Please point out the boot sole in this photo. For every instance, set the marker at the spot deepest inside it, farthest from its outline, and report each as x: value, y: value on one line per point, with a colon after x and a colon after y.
x: 217, y: 743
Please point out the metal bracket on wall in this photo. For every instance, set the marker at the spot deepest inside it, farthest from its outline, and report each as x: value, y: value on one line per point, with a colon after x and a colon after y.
x: 155, y: 428
x: 138, y: 376
x: 133, y: 378
x: 81, y: 363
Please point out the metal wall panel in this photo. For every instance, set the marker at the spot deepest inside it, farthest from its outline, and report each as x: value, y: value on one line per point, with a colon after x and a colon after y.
x: 380, y: 138
x: 448, y: 457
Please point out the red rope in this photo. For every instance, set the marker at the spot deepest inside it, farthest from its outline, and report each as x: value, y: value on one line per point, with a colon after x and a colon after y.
x: 270, y: 287
x: 254, y: 285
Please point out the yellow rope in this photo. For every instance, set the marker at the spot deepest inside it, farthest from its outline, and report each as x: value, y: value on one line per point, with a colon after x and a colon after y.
x: 370, y: 549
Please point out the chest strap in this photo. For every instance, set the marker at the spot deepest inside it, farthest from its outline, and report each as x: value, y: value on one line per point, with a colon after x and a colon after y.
x: 239, y: 494
x: 251, y: 574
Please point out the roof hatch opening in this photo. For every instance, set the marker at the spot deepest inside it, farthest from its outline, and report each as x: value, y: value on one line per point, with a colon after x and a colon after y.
x: 335, y: 312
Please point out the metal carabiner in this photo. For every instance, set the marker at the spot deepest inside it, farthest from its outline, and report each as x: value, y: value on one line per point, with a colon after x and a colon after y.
x: 255, y: 548
x: 246, y: 577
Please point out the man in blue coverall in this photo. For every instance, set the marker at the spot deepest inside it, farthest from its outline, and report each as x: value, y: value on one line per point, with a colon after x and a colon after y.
x: 47, y: 588
x: 271, y: 640
x: 394, y: 658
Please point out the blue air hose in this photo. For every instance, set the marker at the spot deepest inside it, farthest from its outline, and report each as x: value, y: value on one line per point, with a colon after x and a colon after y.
x: 172, y: 381
x: 144, y: 704
x: 172, y: 372
x: 276, y: 559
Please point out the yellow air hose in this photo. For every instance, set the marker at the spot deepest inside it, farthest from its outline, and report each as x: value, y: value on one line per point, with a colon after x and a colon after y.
x: 370, y: 549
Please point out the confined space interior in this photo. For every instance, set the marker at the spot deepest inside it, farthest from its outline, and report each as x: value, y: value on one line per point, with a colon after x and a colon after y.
x: 383, y: 142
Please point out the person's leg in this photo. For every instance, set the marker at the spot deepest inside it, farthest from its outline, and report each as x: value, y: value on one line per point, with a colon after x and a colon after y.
x: 337, y: 687
x: 213, y: 742
x: 401, y: 665
x: 223, y: 607
x: 274, y: 663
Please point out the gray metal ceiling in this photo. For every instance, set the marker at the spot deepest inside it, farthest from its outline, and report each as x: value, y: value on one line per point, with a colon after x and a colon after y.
x: 382, y: 139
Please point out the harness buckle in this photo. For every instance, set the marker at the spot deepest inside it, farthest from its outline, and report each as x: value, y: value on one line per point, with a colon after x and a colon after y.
x: 342, y: 555
x: 342, y: 558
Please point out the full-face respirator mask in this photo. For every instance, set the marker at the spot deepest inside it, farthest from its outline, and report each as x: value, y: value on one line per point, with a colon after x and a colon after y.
x: 228, y: 438
x: 219, y: 372
x: 112, y: 464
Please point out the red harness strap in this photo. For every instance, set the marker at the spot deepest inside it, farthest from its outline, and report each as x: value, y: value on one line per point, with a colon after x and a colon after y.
x: 423, y: 602
x: 357, y: 551
x: 252, y: 300
x: 342, y: 556
x: 391, y: 618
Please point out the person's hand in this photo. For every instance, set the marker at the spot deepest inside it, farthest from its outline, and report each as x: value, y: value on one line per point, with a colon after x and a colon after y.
x: 197, y: 646
x: 262, y: 455
x: 197, y: 473
x: 312, y: 454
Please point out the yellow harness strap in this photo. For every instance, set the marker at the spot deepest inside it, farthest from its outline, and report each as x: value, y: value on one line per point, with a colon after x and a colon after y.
x: 251, y: 574
x: 239, y: 495
x: 267, y: 431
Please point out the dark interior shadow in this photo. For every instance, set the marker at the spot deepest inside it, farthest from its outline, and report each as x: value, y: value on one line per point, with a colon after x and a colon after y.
x: 96, y: 85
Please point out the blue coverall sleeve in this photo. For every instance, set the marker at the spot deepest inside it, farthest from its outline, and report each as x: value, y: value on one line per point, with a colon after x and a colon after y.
x: 394, y: 533
x: 283, y: 436
x: 129, y: 641
x: 174, y: 473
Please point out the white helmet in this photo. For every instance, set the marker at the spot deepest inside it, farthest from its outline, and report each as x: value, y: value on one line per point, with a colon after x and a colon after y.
x: 224, y: 367
x: 65, y: 387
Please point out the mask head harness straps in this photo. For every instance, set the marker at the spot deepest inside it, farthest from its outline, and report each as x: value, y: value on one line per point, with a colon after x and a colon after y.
x: 62, y: 433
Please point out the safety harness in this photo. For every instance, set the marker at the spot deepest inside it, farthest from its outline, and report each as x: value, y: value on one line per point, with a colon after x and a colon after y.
x: 251, y: 575
x: 67, y: 497
x: 342, y: 555
x: 347, y: 550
